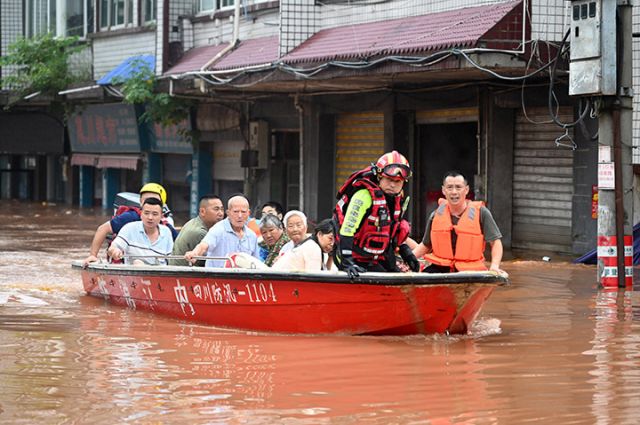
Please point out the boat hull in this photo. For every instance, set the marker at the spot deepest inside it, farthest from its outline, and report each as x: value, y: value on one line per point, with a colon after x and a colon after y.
x: 374, y: 304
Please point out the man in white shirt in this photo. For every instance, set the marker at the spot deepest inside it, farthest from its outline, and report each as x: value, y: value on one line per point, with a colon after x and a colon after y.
x: 147, y: 239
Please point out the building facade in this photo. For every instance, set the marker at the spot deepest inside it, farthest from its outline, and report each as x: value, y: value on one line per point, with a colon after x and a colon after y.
x: 293, y: 95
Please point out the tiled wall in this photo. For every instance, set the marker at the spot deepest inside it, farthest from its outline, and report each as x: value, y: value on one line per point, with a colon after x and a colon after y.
x: 258, y: 24
x: 298, y: 22
x: 111, y: 51
x: 10, y: 26
x: 636, y: 86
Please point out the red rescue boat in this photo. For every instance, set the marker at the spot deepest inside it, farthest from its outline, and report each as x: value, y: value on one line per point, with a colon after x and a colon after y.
x: 301, y: 303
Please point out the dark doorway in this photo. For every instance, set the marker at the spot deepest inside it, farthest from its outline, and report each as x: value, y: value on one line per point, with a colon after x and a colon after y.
x: 442, y: 147
x: 285, y: 169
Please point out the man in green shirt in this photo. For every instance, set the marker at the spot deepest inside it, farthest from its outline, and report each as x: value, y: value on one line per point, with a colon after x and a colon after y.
x: 211, y: 211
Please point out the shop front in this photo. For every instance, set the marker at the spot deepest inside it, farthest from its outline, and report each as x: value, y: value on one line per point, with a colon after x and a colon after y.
x: 106, y: 147
x: 32, y: 160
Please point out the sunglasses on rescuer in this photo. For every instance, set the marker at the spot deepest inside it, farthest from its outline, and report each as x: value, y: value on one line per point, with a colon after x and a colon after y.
x: 396, y: 171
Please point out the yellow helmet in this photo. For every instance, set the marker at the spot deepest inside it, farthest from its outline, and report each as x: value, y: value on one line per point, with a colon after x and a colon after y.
x: 155, y: 188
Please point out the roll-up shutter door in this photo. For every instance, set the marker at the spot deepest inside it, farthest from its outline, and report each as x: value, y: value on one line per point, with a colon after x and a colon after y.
x: 359, y: 142
x: 542, y: 183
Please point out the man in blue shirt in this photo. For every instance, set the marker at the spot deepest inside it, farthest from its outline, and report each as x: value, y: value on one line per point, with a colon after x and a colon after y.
x: 228, y: 236
x: 146, y: 238
x: 113, y: 226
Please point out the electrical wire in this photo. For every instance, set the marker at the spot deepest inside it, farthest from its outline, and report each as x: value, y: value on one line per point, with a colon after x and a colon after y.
x: 553, y: 114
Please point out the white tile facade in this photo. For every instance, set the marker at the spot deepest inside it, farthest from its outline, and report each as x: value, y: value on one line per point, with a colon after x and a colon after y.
x: 10, y: 27
x: 111, y: 51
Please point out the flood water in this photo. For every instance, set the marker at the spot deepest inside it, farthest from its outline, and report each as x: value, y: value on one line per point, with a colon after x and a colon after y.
x: 550, y: 349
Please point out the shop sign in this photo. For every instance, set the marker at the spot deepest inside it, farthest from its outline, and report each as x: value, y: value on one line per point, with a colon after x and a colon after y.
x: 226, y: 160
x: 171, y: 139
x: 606, y: 175
x: 105, y: 128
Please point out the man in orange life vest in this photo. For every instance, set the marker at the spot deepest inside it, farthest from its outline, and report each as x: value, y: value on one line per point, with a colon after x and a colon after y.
x: 369, y: 217
x: 456, y: 232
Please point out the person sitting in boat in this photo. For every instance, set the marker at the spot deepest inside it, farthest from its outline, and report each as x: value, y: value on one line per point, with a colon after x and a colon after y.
x: 144, y: 241
x: 456, y: 232
x: 126, y: 215
x: 273, y: 238
x: 369, y: 215
x: 295, y: 224
x: 272, y: 207
x: 228, y: 236
x: 210, y: 211
x: 313, y: 254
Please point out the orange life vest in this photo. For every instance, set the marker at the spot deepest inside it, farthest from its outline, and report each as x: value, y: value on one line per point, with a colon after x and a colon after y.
x: 469, y: 251
x: 254, y: 226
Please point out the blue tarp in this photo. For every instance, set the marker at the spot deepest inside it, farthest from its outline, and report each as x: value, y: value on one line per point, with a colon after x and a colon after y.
x: 128, y: 67
x: 591, y: 257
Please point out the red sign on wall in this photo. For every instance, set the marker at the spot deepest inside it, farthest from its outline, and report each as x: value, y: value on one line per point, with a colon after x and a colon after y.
x: 104, y: 128
x: 594, y: 202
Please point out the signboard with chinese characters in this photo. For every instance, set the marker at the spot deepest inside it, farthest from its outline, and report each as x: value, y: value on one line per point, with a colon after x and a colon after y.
x: 105, y: 128
x: 606, y: 175
x: 170, y: 139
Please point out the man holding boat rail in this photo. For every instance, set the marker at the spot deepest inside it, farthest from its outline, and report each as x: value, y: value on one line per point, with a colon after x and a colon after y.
x: 145, y: 241
x: 456, y: 232
x: 124, y: 216
x: 231, y: 235
x: 210, y: 212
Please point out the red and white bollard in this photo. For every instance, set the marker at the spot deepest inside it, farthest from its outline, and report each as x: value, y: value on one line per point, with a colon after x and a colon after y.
x: 608, y: 253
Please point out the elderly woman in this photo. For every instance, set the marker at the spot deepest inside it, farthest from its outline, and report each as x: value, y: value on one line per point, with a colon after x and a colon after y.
x: 295, y: 224
x: 273, y: 238
x: 314, y: 253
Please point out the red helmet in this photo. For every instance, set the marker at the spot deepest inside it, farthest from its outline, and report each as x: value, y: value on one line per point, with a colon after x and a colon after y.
x: 393, y: 165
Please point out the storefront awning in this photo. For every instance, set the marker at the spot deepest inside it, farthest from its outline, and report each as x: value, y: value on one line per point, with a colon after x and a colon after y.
x: 255, y: 52
x: 497, y: 25
x: 129, y: 162
x: 127, y: 68
x: 85, y: 159
x: 250, y: 53
x: 194, y: 59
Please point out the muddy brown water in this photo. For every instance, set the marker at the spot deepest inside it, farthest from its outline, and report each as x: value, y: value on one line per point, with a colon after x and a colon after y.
x: 551, y: 348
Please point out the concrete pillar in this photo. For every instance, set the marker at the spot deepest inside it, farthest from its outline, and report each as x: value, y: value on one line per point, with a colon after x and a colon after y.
x: 110, y: 186
x: 86, y: 186
x: 200, y: 177
x: 152, y: 172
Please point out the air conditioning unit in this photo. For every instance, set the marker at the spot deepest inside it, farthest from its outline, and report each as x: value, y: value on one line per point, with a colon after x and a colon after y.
x: 259, y: 141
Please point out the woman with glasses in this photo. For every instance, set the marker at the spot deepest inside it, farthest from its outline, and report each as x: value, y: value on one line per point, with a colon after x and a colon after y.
x: 370, y: 219
x: 210, y: 211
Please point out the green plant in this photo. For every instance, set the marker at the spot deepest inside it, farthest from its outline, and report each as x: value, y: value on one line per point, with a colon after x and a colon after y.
x: 41, y: 65
x: 141, y: 88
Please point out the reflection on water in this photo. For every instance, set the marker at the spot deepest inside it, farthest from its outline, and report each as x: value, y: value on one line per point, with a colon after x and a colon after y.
x: 549, y: 349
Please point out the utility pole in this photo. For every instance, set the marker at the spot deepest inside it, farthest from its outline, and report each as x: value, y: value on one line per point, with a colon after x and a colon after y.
x: 601, y: 67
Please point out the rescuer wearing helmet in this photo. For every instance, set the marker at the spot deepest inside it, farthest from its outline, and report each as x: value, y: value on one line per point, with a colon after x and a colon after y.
x: 369, y: 216
x: 456, y: 232
x: 124, y: 215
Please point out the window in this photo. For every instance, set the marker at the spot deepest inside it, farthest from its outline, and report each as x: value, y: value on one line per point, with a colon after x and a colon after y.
x: 149, y: 10
x: 41, y: 17
x: 116, y: 13
x: 61, y: 17
x: 211, y: 5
